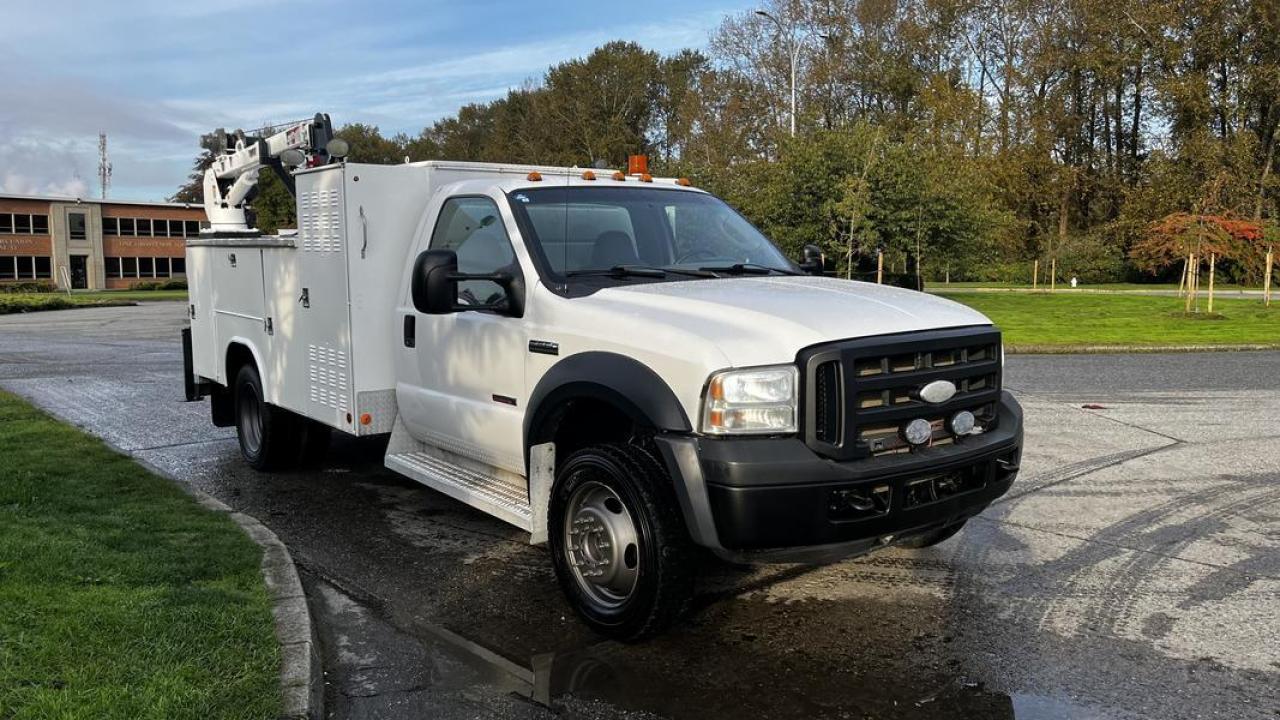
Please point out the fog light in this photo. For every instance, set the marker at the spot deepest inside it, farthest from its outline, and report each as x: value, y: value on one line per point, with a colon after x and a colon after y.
x: 961, y: 423
x: 918, y: 431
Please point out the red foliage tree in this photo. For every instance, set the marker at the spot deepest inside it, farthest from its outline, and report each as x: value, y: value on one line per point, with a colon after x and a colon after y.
x: 1171, y: 239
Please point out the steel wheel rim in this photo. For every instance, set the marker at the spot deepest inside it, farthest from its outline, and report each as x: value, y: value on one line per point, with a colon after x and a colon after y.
x: 601, y: 545
x: 250, y: 411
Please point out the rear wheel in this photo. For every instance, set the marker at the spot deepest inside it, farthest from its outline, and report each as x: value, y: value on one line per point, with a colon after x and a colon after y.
x: 621, y: 552
x: 269, y: 436
x: 933, y: 537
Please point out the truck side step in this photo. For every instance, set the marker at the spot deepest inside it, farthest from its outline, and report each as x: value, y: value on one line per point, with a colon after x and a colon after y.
x: 488, y: 492
x: 500, y: 493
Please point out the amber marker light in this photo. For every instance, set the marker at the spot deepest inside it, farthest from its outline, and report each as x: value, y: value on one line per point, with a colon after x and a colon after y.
x: 534, y: 176
x: 588, y: 175
x: 683, y: 182
x: 366, y: 419
x: 646, y: 178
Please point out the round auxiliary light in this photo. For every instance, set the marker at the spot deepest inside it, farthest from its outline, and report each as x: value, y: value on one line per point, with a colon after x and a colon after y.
x: 918, y: 431
x: 961, y: 423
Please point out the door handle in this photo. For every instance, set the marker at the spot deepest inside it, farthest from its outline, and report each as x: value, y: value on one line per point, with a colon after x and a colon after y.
x: 364, y: 230
x: 410, y: 330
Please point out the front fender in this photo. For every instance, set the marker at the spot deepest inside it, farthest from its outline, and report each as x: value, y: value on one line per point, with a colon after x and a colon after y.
x: 617, y: 379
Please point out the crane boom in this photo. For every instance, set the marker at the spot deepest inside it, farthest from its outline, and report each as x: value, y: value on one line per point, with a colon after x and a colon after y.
x: 232, y: 179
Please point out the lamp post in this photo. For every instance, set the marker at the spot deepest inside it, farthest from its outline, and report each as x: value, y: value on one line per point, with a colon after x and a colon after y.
x: 794, y: 50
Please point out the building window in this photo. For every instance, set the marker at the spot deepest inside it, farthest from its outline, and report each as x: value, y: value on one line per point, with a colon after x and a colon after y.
x: 110, y: 226
x: 146, y: 267
x: 76, y: 226
x: 179, y: 266
x: 162, y: 267
x: 112, y: 265
x: 144, y: 227
x: 22, y: 224
x: 8, y: 267
x: 129, y: 267
x: 193, y: 228
x: 40, y: 224
x: 44, y: 267
x: 26, y: 266
x: 6, y: 223
x: 126, y: 226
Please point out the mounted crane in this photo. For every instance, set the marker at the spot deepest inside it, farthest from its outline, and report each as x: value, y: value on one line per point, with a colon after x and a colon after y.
x: 231, y: 182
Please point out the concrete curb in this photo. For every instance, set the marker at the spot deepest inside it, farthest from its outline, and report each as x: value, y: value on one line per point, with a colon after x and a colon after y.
x: 1032, y: 349
x: 301, y: 680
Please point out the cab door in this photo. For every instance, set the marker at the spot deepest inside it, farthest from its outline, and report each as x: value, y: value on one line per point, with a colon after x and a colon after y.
x: 469, y: 391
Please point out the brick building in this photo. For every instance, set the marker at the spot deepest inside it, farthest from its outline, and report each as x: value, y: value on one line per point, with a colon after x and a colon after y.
x: 93, y: 244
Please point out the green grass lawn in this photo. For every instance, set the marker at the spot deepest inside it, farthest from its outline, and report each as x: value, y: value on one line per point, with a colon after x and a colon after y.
x: 120, y: 597
x: 35, y: 302
x: 1063, y: 322
x: 941, y: 287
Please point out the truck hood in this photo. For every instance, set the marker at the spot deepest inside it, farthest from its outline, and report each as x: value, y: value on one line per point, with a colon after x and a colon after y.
x: 761, y: 320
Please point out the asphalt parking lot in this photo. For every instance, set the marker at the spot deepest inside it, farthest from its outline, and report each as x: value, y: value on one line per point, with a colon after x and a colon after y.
x: 1132, y: 571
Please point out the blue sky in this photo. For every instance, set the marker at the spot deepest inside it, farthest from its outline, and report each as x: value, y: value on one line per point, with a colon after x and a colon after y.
x: 155, y: 74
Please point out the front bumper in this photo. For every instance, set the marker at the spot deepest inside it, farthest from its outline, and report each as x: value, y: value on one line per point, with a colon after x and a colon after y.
x: 775, y: 500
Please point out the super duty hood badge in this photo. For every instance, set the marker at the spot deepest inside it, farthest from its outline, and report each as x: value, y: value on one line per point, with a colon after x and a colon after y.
x: 938, y: 391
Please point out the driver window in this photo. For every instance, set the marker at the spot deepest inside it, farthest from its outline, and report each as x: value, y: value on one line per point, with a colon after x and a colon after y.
x: 472, y: 228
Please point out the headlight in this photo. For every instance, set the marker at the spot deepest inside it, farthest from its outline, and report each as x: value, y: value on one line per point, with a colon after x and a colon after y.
x: 752, y: 401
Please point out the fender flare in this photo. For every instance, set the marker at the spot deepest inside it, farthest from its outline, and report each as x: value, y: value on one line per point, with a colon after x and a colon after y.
x: 257, y: 361
x: 623, y: 382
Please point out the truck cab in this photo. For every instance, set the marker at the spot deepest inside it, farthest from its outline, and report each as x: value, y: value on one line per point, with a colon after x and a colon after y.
x: 621, y: 365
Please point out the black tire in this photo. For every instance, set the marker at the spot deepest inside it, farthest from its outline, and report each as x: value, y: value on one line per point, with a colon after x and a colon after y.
x: 660, y: 561
x: 270, y: 437
x: 933, y: 537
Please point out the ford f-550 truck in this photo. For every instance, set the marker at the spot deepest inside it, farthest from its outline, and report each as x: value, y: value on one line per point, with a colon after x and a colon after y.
x: 621, y: 365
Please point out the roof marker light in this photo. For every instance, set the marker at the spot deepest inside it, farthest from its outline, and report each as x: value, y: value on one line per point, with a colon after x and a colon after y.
x: 646, y: 178
x: 619, y: 176
x: 534, y: 176
x: 683, y: 182
x: 588, y: 175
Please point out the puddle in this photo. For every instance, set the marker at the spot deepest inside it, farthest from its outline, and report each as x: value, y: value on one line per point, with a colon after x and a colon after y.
x: 601, y: 674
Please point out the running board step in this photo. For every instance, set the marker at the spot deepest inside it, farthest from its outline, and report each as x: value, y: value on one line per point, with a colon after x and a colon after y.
x: 486, y: 491
x: 501, y: 493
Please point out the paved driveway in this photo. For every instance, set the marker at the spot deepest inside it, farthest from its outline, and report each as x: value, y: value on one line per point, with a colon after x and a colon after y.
x: 1133, y: 570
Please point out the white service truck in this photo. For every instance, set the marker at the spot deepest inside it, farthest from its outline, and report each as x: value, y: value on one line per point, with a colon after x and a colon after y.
x: 620, y: 365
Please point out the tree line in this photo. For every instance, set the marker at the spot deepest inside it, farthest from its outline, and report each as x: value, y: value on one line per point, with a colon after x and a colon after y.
x: 973, y: 136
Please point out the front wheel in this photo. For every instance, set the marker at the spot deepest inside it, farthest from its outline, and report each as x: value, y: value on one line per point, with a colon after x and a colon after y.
x: 620, y: 548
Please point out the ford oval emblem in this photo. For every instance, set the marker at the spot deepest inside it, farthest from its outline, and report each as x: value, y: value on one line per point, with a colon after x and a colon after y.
x: 938, y: 391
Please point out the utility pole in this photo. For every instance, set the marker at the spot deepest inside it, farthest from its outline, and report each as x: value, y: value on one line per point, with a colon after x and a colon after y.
x: 104, y: 166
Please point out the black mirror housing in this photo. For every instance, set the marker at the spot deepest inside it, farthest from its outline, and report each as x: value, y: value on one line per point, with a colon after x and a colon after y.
x: 435, y: 286
x: 435, y: 290
x: 813, y: 262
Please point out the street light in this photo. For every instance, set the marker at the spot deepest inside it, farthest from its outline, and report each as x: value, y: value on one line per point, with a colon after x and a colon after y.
x: 795, y: 56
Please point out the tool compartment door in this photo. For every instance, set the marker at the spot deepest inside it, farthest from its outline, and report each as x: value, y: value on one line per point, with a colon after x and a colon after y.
x: 308, y: 300
x: 239, y: 304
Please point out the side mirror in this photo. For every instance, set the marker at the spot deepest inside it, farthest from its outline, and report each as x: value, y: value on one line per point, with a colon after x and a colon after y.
x: 435, y: 286
x: 435, y: 291
x: 813, y: 261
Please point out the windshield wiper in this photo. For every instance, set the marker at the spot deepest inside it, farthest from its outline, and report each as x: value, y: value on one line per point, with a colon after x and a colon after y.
x: 637, y: 271
x: 620, y: 271
x: 750, y: 269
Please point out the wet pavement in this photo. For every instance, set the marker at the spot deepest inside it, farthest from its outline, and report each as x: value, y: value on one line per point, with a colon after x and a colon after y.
x: 1133, y: 570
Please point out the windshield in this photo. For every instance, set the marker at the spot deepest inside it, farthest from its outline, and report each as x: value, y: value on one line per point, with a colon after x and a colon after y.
x: 585, y: 230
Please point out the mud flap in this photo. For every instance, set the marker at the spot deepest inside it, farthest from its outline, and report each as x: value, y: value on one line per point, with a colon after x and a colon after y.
x: 542, y: 475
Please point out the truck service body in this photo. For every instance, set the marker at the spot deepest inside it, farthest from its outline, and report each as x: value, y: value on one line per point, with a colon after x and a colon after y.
x: 618, y: 364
